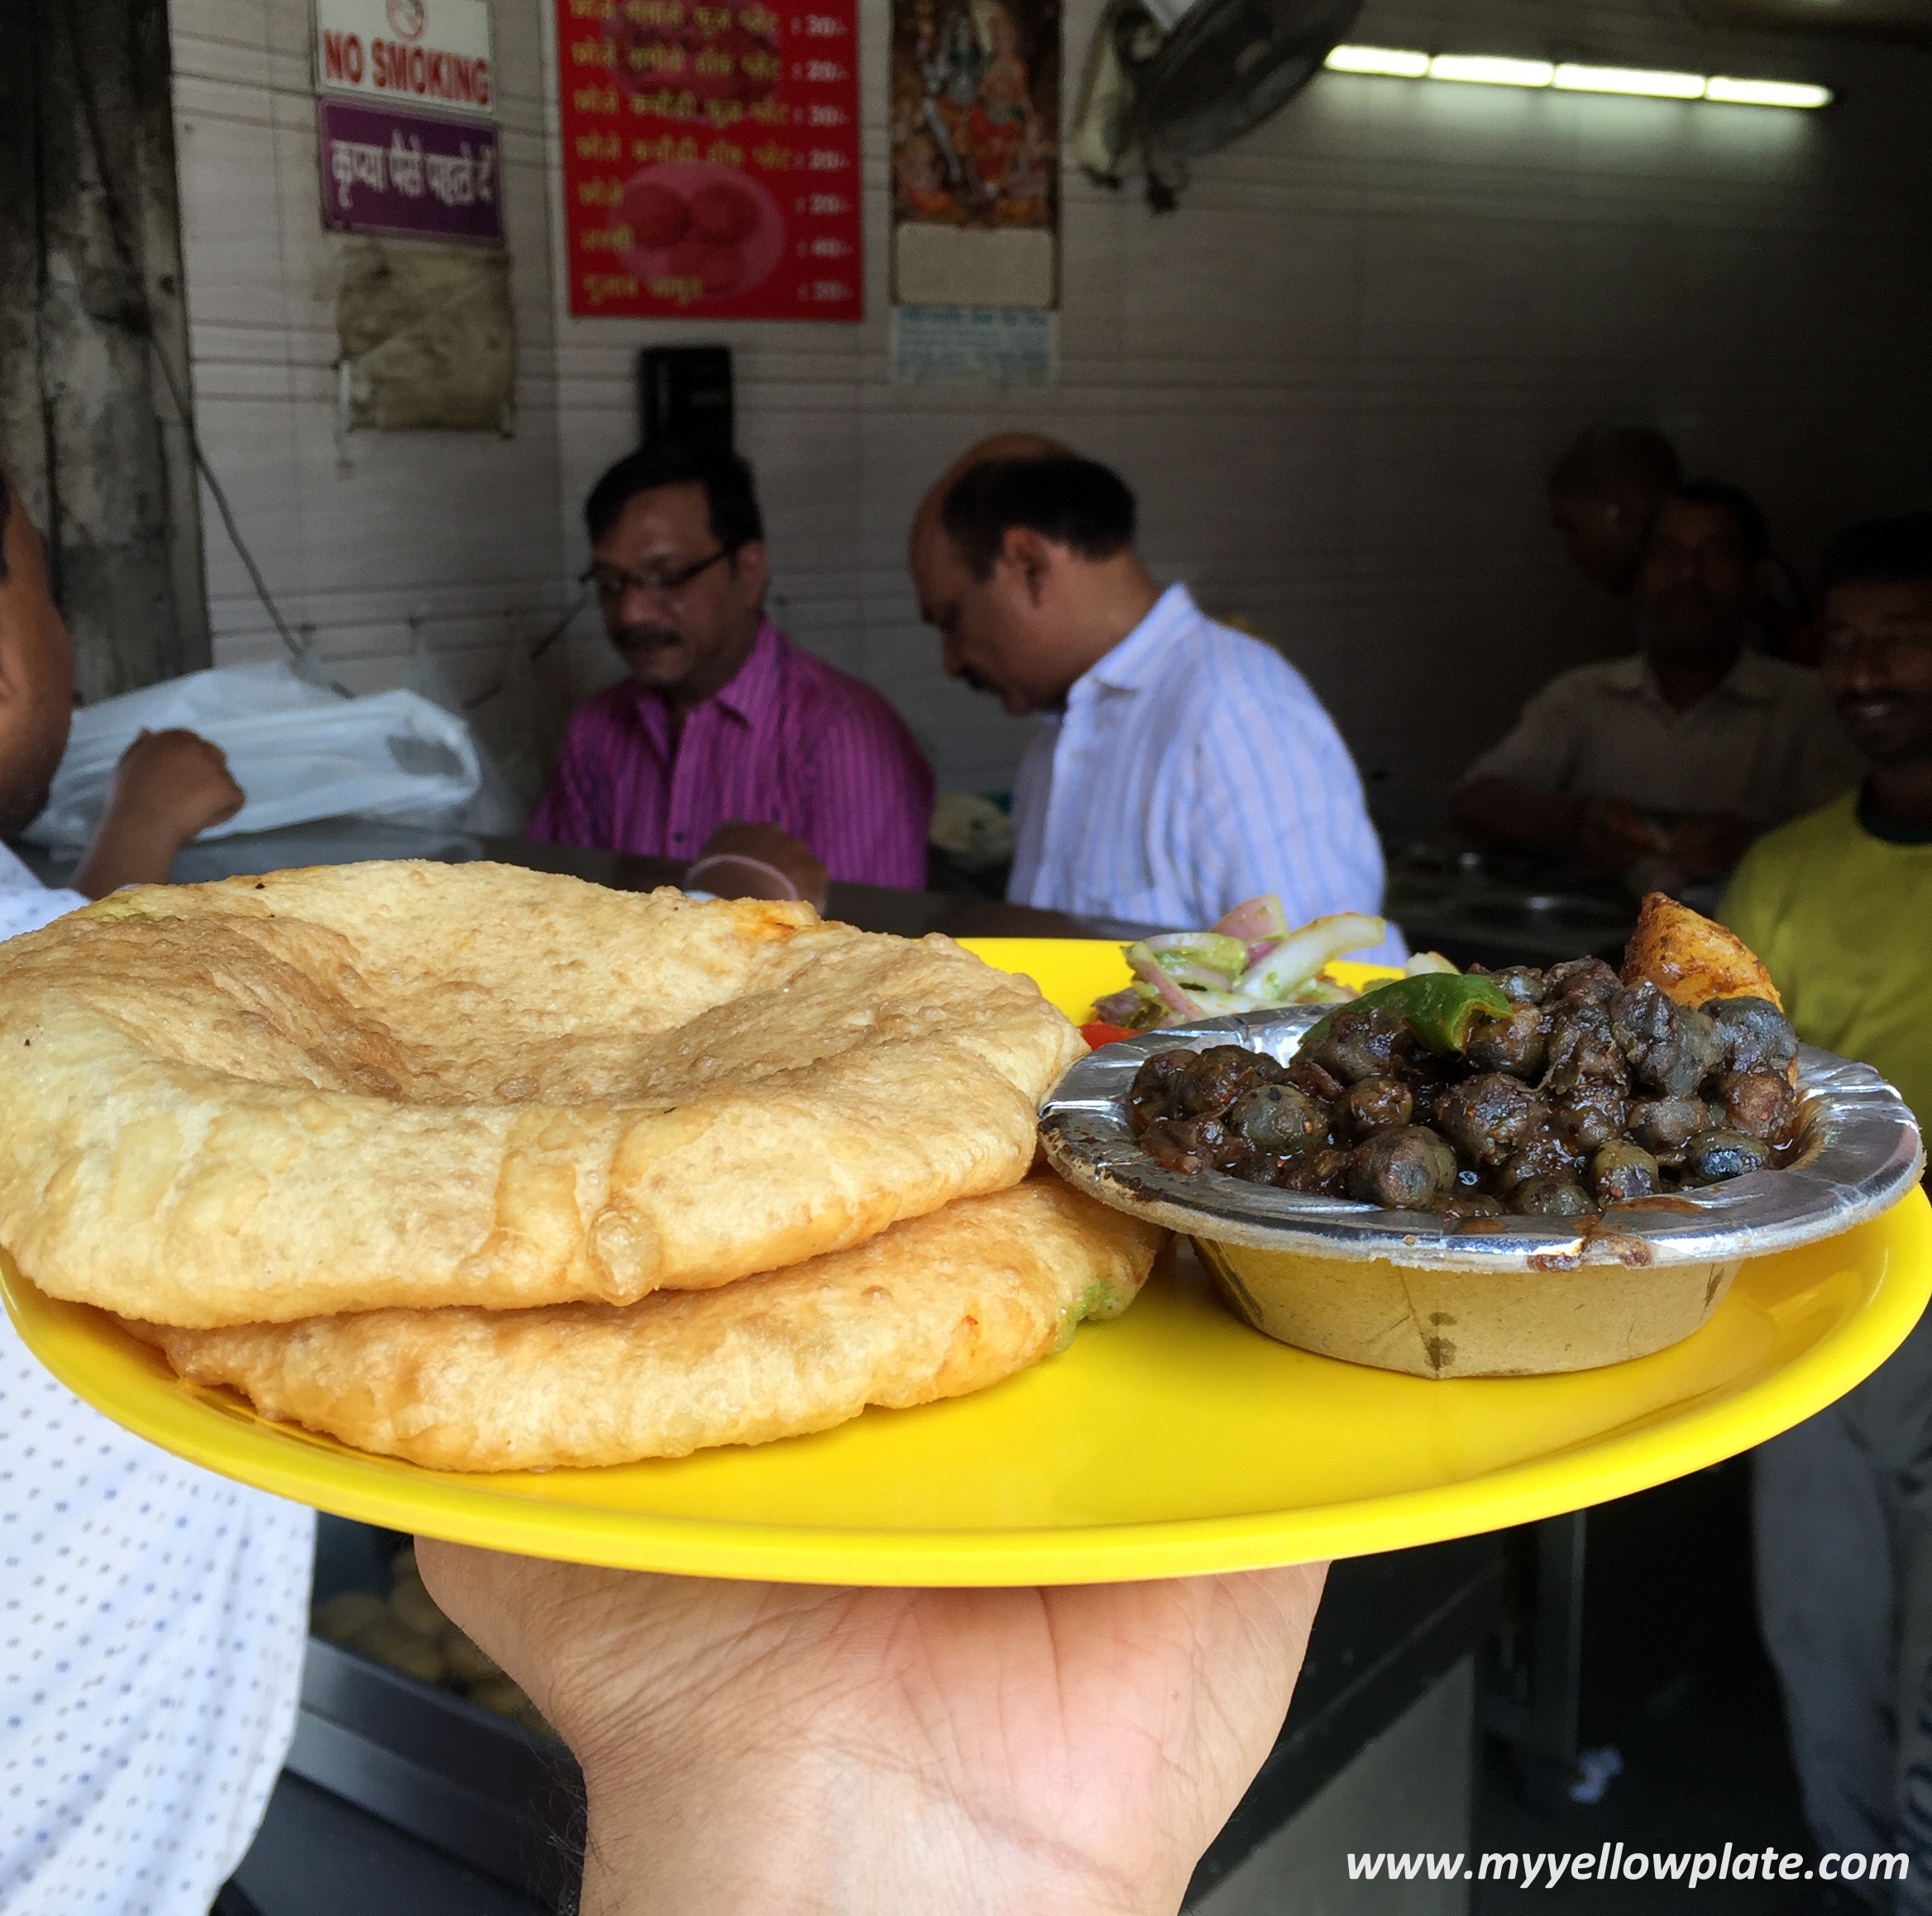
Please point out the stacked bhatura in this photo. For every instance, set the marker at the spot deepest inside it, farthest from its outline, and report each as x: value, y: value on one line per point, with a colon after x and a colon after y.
x: 492, y: 1169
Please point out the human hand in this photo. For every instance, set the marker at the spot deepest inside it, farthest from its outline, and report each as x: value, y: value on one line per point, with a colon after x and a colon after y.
x: 1613, y: 834
x: 761, y: 862
x: 791, y: 1749
x: 168, y: 788
x: 1708, y: 845
x: 178, y: 780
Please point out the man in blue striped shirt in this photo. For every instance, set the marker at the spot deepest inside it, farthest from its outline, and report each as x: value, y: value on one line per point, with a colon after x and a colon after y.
x: 1179, y: 766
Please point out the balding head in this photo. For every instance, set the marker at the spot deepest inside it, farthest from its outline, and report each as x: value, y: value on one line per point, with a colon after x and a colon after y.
x: 1022, y: 555
x: 1603, y: 491
x: 1001, y: 445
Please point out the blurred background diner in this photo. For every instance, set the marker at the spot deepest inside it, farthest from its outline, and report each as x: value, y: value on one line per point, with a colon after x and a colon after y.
x: 1661, y: 768
x: 1475, y: 494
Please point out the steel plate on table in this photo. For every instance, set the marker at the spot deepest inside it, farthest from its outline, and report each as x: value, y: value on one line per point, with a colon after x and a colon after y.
x: 1173, y: 1441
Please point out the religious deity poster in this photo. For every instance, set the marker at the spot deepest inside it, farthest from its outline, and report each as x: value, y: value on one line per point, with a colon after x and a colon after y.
x: 710, y: 158
x: 976, y: 120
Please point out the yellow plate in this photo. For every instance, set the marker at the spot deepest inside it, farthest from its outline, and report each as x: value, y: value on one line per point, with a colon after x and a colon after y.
x: 1171, y: 1441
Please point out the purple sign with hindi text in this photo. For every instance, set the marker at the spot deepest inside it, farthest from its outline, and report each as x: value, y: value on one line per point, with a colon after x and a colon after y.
x: 421, y: 175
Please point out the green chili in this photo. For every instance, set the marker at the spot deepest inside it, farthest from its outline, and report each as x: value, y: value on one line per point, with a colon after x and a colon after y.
x: 1438, y: 1006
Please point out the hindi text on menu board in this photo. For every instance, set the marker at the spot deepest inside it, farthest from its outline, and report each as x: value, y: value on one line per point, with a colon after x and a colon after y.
x: 710, y: 158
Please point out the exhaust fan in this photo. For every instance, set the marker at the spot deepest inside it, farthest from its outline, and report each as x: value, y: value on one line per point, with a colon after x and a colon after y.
x: 1170, y: 80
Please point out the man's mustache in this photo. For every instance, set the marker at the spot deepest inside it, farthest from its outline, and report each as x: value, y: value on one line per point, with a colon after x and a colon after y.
x: 639, y: 637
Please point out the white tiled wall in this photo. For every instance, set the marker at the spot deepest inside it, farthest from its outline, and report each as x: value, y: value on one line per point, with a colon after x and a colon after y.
x: 1334, y: 377
x: 357, y: 533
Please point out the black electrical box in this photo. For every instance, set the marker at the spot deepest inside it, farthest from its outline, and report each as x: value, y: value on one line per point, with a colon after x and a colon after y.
x: 684, y: 393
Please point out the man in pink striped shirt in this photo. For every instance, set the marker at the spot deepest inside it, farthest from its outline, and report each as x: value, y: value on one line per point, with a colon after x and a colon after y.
x: 723, y: 723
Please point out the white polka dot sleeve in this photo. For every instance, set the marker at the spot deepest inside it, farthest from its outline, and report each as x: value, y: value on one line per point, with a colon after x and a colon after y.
x: 152, y: 1620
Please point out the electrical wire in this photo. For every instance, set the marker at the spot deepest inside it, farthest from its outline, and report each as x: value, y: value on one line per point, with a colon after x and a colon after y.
x: 561, y: 626
x: 141, y: 317
x: 537, y: 651
x: 220, y: 498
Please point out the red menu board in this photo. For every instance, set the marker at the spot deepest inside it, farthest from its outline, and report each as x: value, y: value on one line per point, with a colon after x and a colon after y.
x: 710, y: 158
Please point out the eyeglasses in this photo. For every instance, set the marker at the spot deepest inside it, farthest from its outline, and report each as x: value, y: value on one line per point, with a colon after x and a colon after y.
x: 612, y: 582
x: 1895, y: 647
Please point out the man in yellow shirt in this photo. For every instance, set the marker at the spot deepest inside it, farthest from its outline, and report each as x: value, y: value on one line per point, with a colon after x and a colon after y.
x: 1839, y: 905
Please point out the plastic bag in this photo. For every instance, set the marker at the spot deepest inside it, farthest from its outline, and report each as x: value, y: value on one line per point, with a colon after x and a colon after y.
x: 298, y: 751
x: 496, y: 811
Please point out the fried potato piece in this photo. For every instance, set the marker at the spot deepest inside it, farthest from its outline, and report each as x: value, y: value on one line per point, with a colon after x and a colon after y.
x: 934, y: 1308
x: 1691, y: 958
x: 410, y: 1084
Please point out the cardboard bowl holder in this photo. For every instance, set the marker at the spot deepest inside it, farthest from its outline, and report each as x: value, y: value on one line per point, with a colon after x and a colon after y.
x: 1506, y: 1297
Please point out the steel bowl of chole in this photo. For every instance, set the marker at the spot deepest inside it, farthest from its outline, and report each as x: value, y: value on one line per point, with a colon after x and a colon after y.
x: 1483, y: 1175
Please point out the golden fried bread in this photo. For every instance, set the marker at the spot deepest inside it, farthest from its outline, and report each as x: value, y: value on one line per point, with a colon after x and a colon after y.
x: 1691, y: 958
x: 418, y: 1084
x: 934, y: 1308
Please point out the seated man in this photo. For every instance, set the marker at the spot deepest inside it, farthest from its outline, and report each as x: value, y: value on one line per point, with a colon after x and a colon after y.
x: 1839, y: 907
x: 1179, y: 766
x: 723, y: 722
x: 154, y: 1615
x: 1664, y: 765
x: 1603, y: 492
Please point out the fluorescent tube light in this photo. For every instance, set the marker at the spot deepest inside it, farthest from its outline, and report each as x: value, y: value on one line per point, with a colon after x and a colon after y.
x: 1733, y: 92
x: 1391, y: 61
x: 1650, y: 84
x: 1489, y: 70
x: 1573, y: 77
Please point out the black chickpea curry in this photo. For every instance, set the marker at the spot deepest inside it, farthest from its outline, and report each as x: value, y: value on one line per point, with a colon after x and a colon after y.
x: 1539, y: 1093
